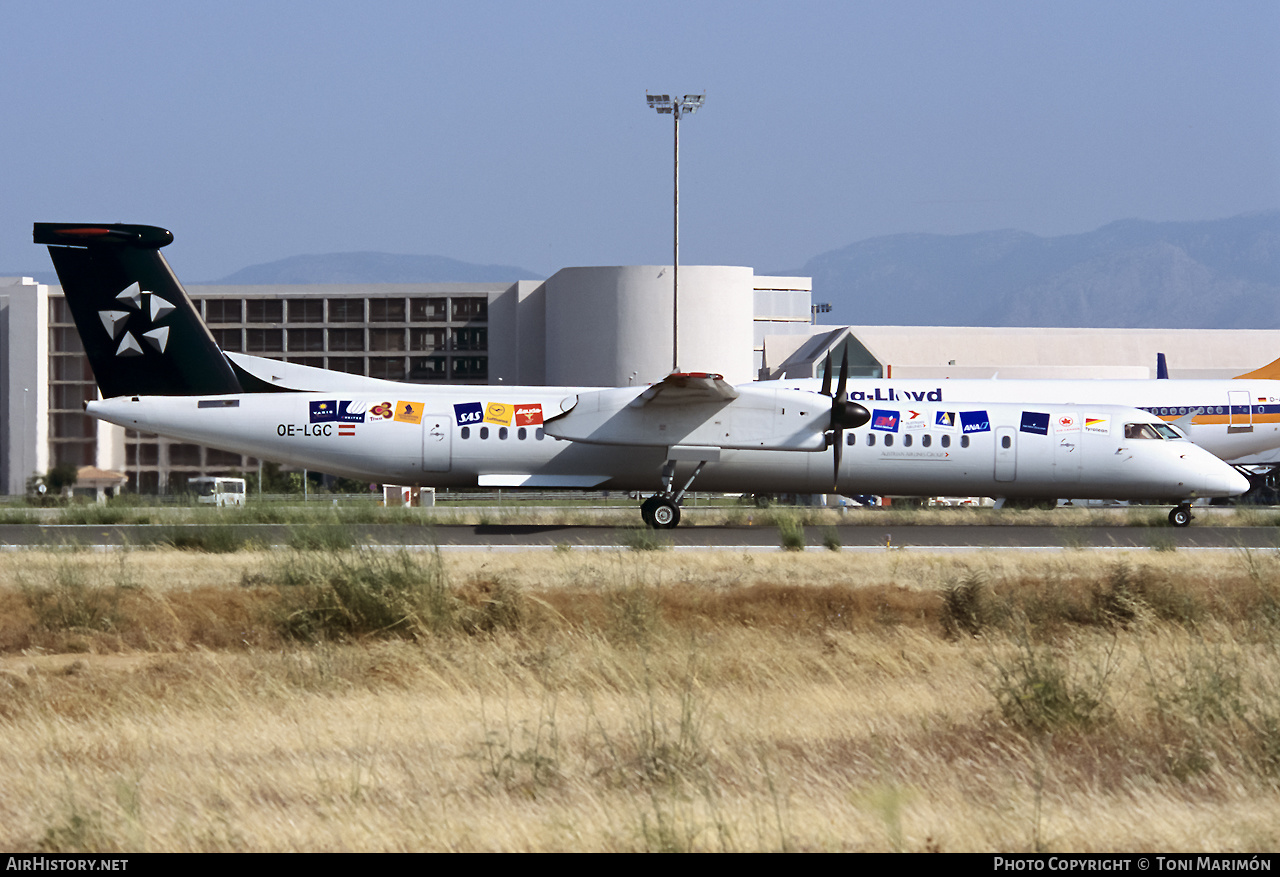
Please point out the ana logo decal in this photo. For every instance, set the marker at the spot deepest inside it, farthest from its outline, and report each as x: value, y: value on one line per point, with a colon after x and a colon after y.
x: 974, y: 421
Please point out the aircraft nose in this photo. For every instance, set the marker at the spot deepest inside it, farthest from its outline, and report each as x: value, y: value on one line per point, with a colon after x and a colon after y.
x: 1222, y: 480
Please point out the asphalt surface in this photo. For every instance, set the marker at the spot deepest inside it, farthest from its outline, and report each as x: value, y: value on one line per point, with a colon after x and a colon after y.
x: 740, y: 537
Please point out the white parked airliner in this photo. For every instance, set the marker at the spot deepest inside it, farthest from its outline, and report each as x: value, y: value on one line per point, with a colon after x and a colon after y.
x: 159, y: 371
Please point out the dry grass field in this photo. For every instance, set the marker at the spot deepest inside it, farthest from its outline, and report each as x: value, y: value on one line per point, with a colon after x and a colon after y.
x: 157, y: 700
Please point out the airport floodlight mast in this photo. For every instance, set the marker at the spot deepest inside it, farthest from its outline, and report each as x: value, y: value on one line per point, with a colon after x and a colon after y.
x: 677, y: 107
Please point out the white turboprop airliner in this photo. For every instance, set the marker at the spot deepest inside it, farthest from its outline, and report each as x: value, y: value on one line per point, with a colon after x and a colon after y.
x: 159, y: 371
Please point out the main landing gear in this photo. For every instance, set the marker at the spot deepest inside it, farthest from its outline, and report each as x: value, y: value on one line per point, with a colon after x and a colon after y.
x: 662, y: 510
x: 1181, y: 516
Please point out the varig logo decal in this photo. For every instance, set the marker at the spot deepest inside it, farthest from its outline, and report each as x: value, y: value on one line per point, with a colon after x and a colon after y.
x: 885, y: 421
x: 974, y: 421
x: 325, y: 411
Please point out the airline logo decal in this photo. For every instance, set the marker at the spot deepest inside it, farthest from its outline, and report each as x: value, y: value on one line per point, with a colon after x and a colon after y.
x: 1099, y: 425
x: 1035, y: 422
x: 1066, y: 423
x: 885, y: 421
x: 381, y: 411
x: 468, y: 413
x: 115, y: 322
x: 325, y: 411
x: 945, y: 420
x: 974, y: 421
x: 498, y: 412
x: 351, y: 411
x: 408, y: 412
x: 915, y: 420
x: 528, y: 415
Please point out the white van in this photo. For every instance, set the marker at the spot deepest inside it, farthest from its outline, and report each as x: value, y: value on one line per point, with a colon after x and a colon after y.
x: 217, y: 490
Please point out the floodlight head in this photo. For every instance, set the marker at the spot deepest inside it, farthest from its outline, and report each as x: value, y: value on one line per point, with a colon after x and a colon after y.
x: 659, y: 102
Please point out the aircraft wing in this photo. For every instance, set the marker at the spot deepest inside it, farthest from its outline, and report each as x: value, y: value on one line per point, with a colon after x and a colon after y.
x: 687, y: 411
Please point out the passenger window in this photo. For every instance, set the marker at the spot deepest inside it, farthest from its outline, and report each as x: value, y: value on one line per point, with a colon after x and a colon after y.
x: 522, y: 433
x: 502, y: 433
x: 926, y: 440
x: 465, y: 432
x: 871, y: 440
x: 484, y: 432
x: 851, y: 439
x: 906, y: 441
x: 888, y: 440
x: 538, y: 434
x: 964, y: 441
x: 1006, y: 442
x: 946, y: 441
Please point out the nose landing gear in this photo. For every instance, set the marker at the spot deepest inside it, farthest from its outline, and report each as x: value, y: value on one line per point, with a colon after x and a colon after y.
x: 1181, y: 516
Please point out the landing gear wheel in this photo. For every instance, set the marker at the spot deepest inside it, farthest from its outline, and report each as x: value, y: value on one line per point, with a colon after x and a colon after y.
x: 1181, y: 516
x: 664, y: 514
x: 646, y: 511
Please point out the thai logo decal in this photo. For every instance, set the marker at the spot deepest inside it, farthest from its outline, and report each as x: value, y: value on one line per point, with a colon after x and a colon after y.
x: 116, y: 322
x: 381, y: 411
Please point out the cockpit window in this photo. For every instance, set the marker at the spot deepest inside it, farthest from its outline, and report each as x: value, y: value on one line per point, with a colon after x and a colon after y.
x: 1167, y: 432
x: 1140, y: 431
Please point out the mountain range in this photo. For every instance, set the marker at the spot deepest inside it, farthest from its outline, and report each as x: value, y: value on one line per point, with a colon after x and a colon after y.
x: 1215, y: 274
x: 1219, y: 274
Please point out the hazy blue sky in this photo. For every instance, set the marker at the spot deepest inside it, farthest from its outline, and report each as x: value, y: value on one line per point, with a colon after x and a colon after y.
x: 517, y: 133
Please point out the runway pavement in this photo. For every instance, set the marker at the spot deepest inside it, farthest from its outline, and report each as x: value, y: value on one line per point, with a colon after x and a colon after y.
x: 704, y: 538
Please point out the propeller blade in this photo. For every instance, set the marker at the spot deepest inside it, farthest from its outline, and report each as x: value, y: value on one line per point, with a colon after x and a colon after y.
x: 838, y: 448
x: 844, y: 375
x: 826, y: 376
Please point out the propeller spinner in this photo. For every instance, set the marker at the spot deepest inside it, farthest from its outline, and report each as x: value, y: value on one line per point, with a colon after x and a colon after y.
x: 844, y: 414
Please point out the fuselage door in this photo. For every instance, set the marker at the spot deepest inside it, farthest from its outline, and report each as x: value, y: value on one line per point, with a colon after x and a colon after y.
x: 1006, y: 453
x: 437, y: 440
x: 1241, y: 417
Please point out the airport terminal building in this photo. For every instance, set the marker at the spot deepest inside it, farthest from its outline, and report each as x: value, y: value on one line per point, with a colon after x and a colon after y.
x: 590, y: 326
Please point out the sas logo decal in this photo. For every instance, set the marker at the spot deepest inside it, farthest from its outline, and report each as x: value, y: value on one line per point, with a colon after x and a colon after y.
x: 1066, y: 423
x: 528, y: 415
x: 945, y: 420
x: 974, y: 421
x: 381, y: 411
x: 498, y: 412
x: 885, y: 421
x: 468, y: 413
x: 1099, y: 425
x: 408, y: 412
x: 1034, y: 422
x: 324, y: 412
